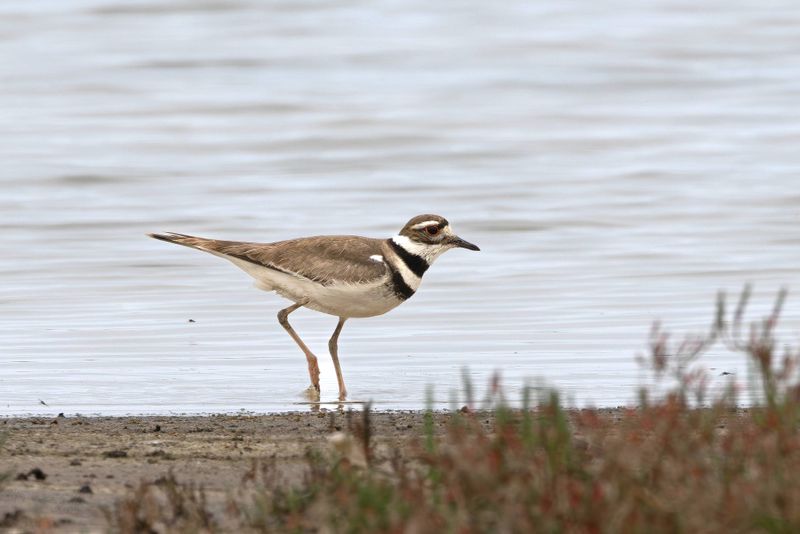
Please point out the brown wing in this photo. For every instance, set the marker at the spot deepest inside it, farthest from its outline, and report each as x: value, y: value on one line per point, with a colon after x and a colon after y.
x: 324, y: 259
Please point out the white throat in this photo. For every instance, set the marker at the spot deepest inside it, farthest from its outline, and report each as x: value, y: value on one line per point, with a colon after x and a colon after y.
x: 429, y: 252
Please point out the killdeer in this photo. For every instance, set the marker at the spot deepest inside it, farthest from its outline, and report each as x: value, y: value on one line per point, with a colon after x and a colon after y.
x: 345, y: 276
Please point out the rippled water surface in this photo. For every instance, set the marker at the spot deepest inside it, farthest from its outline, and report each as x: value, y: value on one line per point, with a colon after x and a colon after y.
x: 617, y: 161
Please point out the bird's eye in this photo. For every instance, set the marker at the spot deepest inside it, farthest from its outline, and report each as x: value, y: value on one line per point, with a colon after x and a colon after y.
x: 432, y: 230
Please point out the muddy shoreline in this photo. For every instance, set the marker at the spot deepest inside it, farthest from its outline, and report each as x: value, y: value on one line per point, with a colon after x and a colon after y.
x: 64, y: 471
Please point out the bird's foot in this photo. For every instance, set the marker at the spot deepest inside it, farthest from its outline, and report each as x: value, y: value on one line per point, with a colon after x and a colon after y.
x: 312, y: 393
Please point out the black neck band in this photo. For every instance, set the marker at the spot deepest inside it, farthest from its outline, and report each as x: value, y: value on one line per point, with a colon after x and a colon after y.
x: 416, y: 264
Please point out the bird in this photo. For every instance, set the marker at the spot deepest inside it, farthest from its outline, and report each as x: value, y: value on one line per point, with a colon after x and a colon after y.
x: 346, y: 276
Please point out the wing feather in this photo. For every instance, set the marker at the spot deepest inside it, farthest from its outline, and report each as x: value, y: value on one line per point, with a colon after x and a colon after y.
x: 324, y: 259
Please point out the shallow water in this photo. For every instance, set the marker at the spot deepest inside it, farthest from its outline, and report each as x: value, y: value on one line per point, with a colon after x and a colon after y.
x: 617, y: 163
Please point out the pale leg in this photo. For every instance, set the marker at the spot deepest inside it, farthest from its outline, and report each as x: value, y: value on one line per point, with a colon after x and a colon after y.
x: 313, y: 366
x: 334, y: 348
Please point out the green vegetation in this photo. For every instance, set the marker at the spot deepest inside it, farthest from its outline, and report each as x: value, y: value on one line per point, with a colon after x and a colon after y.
x: 666, y: 466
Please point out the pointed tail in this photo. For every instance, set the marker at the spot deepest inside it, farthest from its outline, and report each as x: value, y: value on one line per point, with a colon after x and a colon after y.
x: 214, y: 246
x: 224, y: 249
x: 200, y: 243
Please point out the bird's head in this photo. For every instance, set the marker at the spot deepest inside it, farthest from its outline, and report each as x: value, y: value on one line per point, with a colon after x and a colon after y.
x: 430, y: 235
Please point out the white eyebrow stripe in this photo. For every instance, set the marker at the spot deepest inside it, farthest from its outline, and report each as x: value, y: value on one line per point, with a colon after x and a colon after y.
x: 424, y: 224
x: 377, y: 258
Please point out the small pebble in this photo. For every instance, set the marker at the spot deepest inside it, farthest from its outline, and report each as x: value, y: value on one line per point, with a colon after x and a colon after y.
x: 37, y: 473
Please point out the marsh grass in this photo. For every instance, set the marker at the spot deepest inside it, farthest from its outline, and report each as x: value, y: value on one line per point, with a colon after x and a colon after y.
x: 680, y: 462
x: 164, y: 505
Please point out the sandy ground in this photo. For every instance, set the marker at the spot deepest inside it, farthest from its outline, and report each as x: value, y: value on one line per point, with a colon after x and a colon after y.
x: 85, y: 464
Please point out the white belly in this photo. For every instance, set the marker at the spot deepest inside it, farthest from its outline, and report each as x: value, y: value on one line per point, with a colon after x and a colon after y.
x: 341, y: 300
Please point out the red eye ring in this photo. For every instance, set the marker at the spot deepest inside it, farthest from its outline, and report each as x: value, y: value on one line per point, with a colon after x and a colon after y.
x: 432, y: 230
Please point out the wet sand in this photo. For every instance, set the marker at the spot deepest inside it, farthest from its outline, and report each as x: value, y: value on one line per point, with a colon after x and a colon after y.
x: 88, y: 463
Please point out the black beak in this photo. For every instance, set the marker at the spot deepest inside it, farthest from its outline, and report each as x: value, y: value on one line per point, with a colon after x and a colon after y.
x: 458, y: 242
